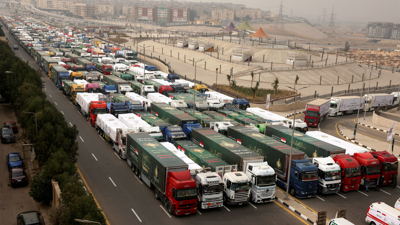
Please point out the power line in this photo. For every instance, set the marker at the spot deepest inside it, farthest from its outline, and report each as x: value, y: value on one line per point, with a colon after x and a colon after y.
x: 331, y: 26
x: 279, y: 21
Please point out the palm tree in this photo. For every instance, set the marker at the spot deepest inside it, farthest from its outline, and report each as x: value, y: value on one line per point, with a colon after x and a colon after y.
x: 252, y: 77
x: 255, y: 89
x: 275, y: 85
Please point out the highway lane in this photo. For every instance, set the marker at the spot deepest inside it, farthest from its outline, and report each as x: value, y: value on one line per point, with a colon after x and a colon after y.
x: 123, y: 198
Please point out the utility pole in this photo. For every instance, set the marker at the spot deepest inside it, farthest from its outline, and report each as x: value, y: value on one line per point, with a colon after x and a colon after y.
x: 331, y: 26
x: 279, y: 21
x: 323, y: 19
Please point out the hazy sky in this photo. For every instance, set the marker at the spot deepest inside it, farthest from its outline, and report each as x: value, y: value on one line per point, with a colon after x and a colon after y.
x: 345, y: 10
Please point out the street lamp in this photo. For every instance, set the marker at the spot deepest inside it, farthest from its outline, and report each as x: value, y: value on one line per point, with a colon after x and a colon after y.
x: 86, y: 221
x: 35, y: 121
x: 195, y: 65
x: 293, y: 125
x: 359, y: 104
x: 369, y: 83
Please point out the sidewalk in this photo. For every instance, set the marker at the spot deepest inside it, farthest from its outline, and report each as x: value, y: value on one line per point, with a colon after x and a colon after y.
x: 368, y: 122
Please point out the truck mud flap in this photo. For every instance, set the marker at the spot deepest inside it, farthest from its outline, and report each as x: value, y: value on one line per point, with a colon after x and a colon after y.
x: 145, y: 179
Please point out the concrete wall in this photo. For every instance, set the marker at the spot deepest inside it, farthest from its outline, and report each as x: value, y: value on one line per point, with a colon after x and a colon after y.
x: 385, y: 120
x: 284, y: 108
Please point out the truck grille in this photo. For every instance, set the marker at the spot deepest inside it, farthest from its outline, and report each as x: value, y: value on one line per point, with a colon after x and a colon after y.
x: 241, y: 196
x: 266, y: 194
x: 353, y: 181
x: 310, y: 120
x: 186, y: 206
x: 332, y: 185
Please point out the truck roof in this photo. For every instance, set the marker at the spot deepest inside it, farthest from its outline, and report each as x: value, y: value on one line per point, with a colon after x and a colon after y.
x: 346, y: 160
x: 318, y: 102
x: 326, y: 164
x: 182, y: 176
x: 261, y: 169
x: 240, y: 177
x: 366, y: 159
x: 385, y: 156
x: 304, y: 165
x: 345, y: 97
x: 385, y: 208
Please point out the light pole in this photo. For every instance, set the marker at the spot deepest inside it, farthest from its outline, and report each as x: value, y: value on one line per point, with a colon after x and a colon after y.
x: 216, y: 76
x: 195, y: 65
x: 291, y: 142
x: 86, y: 221
x: 369, y: 84
x: 35, y: 121
x: 358, y: 110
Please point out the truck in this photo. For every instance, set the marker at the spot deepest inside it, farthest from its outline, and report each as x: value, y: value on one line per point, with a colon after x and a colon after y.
x: 237, y: 117
x: 373, y: 101
x: 201, y: 88
x: 272, y: 117
x: 389, y: 167
x: 47, y: 63
x: 328, y: 175
x: 108, y: 89
x: 153, y: 120
x: 250, y: 115
x: 311, y: 146
x: 121, y: 85
x: 59, y: 74
x: 92, y: 75
x: 157, y: 97
x: 104, y: 68
x: 203, y: 119
x: 348, y: 146
x: 140, y: 88
x: 167, y: 174
x: 86, y: 102
x: 277, y: 155
x: 76, y: 76
x: 370, y: 168
x: 133, y: 105
x: 67, y: 87
x: 88, y: 65
x: 220, y: 117
x: 162, y: 89
x: 116, y: 109
x: 316, y: 111
x: 396, y: 98
x: 123, y: 75
x: 342, y: 105
x: 350, y: 172
x: 138, y: 125
x: 131, y: 55
x: 73, y: 57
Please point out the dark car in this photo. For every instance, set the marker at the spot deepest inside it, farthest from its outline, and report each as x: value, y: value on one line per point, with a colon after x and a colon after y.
x: 14, y: 160
x: 13, y: 126
x: 30, y: 218
x: 15, y: 47
x: 7, y: 135
x: 18, y: 177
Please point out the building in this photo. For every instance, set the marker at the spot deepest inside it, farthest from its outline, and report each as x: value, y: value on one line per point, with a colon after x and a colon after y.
x: 163, y: 15
x: 179, y: 15
x: 48, y: 4
x: 129, y: 12
x: 252, y: 13
x: 83, y: 10
x: 65, y: 5
x: 395, y: 31
x: 379, y: 30
x: 223, y: 14
x: 145, y: 14
x: 108, y: 10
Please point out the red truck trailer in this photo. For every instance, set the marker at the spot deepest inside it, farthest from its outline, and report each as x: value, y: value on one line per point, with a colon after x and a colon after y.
x: 316, y: 111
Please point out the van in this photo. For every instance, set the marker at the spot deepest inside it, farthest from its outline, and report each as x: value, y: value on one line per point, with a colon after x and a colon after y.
x: 381, y: 213
x: 340, y: 221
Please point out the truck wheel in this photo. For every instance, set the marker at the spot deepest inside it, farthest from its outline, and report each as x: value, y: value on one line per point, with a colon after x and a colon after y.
x: 251, y: 198
x: 372, y: 223
x: 156, y: 195
x: 120, y: 154
x: 133, y: 168
x: 169, y: 207
x: 292, y: 192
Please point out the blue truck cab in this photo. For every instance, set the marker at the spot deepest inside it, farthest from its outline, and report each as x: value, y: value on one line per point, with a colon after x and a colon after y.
x: 241, y: 103
x: 303, y: 179
x: 117, y: 108
x: 188, y: 128
x: 109, y: 89
x: 90, y: 67
x: 173, y: 133
x: 61, y: 78
x: 172, y: 77
x: 151, y: 68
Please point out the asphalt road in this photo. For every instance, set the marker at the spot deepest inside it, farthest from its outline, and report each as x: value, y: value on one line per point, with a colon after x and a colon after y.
x: 125, y: 199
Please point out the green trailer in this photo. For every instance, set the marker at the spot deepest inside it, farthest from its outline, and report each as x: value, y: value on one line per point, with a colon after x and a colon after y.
x: 250, y: 115
x: 67, y: 87
x: 311, y: 146
x: 136, y: 86
x: 123, y: 76
x: 225, y: 148
x: 65, y: 51
x: 153, y: 120
x: 47, y: 63
x: 73, y: 57
x: 220, y: 118
x: 190, y: 91
x: 237, y: 117
x: 275, y: 153
x: 188, y: 98
x: 152, y: 159
x: 203, y: 119
x: 172, y: 115
x: 204, y: 158
x: 39, y: 57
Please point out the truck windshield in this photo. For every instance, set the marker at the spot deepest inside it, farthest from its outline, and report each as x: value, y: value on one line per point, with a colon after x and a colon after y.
x: 332, y: 175
x: 310, y: 176
x: 118, y: 112
x: 209, y: 190
x: 240, y: 187
x: 266, y: 181
x: 391, y: 166
x: 312, y: 113
x: 108, y: 69
x: 352, y: 172
x: 78, y: 77
x: 333, y: 105
x: 97, y: 111
x: 80, y: 69
x: 372, y: 170
x: 186, y: 194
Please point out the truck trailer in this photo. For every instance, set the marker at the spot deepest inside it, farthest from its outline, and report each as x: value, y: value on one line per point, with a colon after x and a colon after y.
x: 121, y: 85
x: 342, y: 105
x: 316, y: 111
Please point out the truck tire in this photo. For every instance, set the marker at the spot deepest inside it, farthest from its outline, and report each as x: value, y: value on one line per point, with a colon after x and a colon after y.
x: 372, y: 223
x: 120, y: 154
x: 292, y: 192
x: 169, y: 207
x: 156, y: 194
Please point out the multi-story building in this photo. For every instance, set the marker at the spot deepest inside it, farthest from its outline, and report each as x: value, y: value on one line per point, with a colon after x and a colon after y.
x: 81, y: 9
x: 129, y: 12
x: 379, y: 30
x: 48, y: 4
x: 145, y: 14
x: 223, y: 14
x: 252, y: 13
x: 105, y: 10
x: 395, y: 31
x: 179, y: 15
x: 65, y: 5
x: 163, y: 15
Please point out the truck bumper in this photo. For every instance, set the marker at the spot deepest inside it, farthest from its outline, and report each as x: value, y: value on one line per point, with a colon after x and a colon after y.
x: 327, y: 191
x: 306, y: 194
x: 312, y: 124
x: 184, y: 212
x: 265, y: 200
x: 349, y: 187
x: 210, y: 205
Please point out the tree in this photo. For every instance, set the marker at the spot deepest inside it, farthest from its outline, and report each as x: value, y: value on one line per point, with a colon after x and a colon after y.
x: 255, y: 89
x: 275, y: 85
x: 41, y: 190
x: 228, y: 77
x: 252, y: 77
x: 346, y: 46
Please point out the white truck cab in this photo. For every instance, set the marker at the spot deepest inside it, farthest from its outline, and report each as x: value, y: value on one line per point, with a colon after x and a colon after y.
x: 340, y: 221
x: 236, y: 188
x: 397, y: 204
x: 214, y: 103
x: 210, y: 190
x: 396, y: 99
x: 263, y: 182
x: 328, y: 175
x: 299, y: 124
x: 179, y: 104
x: 381, y: 213
x: 221, y: 127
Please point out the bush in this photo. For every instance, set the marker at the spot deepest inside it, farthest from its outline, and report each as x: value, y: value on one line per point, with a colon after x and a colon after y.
x: 247, y: 92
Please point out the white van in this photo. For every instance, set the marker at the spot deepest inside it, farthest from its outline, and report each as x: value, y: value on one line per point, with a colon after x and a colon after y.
x: 340, y: 221
x: 381, y: 213
x: 397, y: 204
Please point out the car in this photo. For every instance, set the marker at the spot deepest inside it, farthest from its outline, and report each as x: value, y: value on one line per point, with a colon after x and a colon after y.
x: 30, y: 218
x: 18, y: 177
x: 13, y: 126
x: 14, y: 160
x: 15, y: 47
x: 7, y: 135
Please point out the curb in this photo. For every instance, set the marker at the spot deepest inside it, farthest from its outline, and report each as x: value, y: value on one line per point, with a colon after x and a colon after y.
x: 294, y: 114
x: 358, y: 143
x: 294, y: 210
x: 365, y: 125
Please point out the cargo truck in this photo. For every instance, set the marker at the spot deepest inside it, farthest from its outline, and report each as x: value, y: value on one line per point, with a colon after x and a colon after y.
x: 140, y: 126
x: 104, y: 68
x: 131, y: 55
x: 220, y: 117
x: 121, y: 85
x: 316, y: 111
x: 350, y: 172
x: 203, y: 119
x: 157, y: 97
x: 373, y: 101
x: 164, y: 172
x: 67, y: 87
x: 134, y: 105
x: 123, y: 75
x: 140, y: 88
x: 192, y: 166
x: 277, y: 155
x: 342, y: 105
x: 370, y: 168
x: 47, y: 63
x: 389, y: 167
x: 88, y: 101
x: 238, y: 118
x: 59, y: 74
x: 311, y: 146
x: 76, y: 76
x: 328, y: 175
x: 162, y: 89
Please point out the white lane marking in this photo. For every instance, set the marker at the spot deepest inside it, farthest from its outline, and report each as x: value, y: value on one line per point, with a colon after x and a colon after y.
x: 112, y: 181
x: 81, y: 139
x: 62, y: 113
x: 50, y: 96
x: 226, y: 208
x: 117, y: 155
x: 94, y: 157
x: 136, y: 215
x: 385, y: 192
x: 139, y: 180
x: 101, y: 137
x: 362, y: 193
x: 398, y: 186
x: 70, y: 103
x: 199, y: 212
x: 320, y: 198
x: 70, y: 124
x: 341, y: 195
x: 55, y: 103
x: 253, y: 205
x: 165, y: 212
x: 45, y: 89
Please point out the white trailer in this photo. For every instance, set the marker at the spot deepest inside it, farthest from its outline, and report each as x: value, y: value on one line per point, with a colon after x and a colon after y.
x: 157, y: 97
x: 372, y: 101
x: 138, y: 125
x: 119, y: 67
x: 193, y: 167
x: 137, y: 97
x: 345, y: 105
x: 184, y: 82
x: 140, y: 71
x: 84, y: 99
x: 350, y: 147
x: 221, y: 97
x: 81, y: 82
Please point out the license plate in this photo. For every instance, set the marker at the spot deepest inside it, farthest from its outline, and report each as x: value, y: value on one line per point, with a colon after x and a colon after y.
x: 332, y: 189
x: 352, y: 186
x: 309, y: 196
x: 240, y: 203
x: 19, y: 180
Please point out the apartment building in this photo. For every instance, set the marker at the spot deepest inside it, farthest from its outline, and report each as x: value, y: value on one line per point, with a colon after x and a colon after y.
x: 252, y: 13
x: 105, y: 10
x: 379, y: 30
x: 64, y: 5
x: 395, y: 31
x: 179, y: 15
x: 81, y: 9
x: 223, y: 14
x: 129, y: 12
x: 145, y: 13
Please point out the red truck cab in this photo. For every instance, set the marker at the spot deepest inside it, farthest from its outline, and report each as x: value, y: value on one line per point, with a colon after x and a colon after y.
x: 77, y: 68
x: 89, y: 50
x: 66, y: 66
x: 181, y: 193
x: 389, y: 167
x: 107, y: 69
x: 66, y: 60
x: 351, y: 172
x: 93, y: 88
x: 164, y: 89
x: 316, y: 111
x: 370, y: 168
x: 95, y: 108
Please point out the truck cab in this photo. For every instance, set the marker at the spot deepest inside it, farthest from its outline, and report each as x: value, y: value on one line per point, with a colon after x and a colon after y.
x: 396, y: 99
x: 76, y: 75
x: 188, y: 128
x: 236, y: 188
x: 316, y: 111
x: 165, y: 89
x: 241, y: 103
x: 328, y: 175
x: 389, y: 167
x: 178, y: 88
x: 209, y: 190
x: 340, y: 221
x: 95, y: 108
x: 174, y: 133
x: 117, y: 108
x: 370, y: 168
x: 221, y: 127
x: 351, y: 172
x: 75, y: 88
x: 109, y: 89
x: 172, y: 77
x: 179, y: 104
x: 93, y: 88
x: 77, y: 68
x: 201, y: 105
x: 215, y: 104
x: 200, y: 87
x: 263, y: 182
x: 148, y: 89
